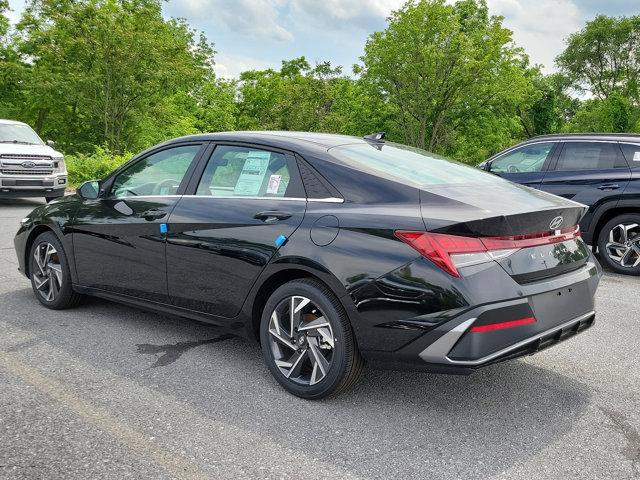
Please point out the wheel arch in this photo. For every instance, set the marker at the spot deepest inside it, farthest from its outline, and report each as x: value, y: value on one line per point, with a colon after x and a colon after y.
x: 284, y: 273
x: 607, y: 215
x: 33, y: 234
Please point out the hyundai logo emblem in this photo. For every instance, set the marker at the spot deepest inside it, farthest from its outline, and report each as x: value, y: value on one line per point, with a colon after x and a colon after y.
x: 28, y: 164
x: 556, y: 222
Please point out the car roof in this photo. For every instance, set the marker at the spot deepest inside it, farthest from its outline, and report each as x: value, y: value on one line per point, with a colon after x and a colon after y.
x: 615, y: 137
x: 282, y: 139
x: 11, y: 122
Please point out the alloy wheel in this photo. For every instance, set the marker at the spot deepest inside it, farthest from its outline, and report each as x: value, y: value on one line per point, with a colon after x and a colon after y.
x: 623, y: 246
x: 301, y: 340
x: 47, y: 276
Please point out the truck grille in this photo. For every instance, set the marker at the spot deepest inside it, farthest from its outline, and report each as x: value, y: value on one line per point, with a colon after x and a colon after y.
x: 26, y: 171
x: 24, y: 157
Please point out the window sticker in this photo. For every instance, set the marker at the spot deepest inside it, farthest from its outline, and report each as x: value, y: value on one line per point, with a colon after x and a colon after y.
x: 274, y: 184
x: 636, y: 156
x: 253, y: 174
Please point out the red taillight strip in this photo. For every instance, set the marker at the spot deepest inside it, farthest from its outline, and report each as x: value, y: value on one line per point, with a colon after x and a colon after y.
x: 530, y: 239
x: 502, y: 325
x: 438, y: 247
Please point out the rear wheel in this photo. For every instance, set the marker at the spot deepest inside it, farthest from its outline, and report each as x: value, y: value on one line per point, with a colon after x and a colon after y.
x: 619, y: 244
x: 307, y: 340
x: 50, y: 275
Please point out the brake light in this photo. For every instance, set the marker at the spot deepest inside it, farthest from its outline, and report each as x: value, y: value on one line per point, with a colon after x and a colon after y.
x: 502, y: 325
x: 451, y: 251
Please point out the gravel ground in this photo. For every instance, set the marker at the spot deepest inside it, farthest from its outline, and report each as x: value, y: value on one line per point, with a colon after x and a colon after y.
x: 107, y: 391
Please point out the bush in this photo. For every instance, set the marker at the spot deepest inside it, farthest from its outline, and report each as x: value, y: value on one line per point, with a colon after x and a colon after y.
x: 94, y: 166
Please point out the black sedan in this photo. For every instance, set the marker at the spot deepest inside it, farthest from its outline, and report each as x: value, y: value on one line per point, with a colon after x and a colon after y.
x: 327, y: 249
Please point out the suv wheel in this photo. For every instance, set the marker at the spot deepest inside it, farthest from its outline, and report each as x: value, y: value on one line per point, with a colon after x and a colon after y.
x: 307, y: 340
x: 619, y: 244
x: 49, y: 272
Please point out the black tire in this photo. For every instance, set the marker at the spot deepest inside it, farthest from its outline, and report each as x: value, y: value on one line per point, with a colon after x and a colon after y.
x: 65, y: 297
x: 610, y: 257
x: 50, y: 199
x: 346, y: 364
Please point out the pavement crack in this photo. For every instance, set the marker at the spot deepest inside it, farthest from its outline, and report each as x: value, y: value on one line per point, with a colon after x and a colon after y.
x: 172, y: 352
x: 630, y: 433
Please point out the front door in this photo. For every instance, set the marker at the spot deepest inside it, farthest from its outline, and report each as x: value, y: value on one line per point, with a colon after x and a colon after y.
x: 525, y: 165
x: 118, y: 242
x: 244, y: 204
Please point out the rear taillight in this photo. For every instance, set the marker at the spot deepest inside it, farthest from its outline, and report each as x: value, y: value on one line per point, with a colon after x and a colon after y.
x: 450, y: 252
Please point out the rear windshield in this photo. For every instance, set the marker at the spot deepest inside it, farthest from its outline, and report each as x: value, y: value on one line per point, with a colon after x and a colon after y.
x: 411, y: 166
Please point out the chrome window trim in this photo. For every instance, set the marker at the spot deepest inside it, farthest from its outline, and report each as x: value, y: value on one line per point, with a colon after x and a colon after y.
x: 438, y: 351
x: 290, y: 199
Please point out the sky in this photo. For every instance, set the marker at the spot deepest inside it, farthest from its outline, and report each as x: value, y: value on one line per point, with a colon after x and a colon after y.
x: 257, y: 34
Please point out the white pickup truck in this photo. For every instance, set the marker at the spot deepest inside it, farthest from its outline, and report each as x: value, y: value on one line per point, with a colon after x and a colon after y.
x: 29, y: 167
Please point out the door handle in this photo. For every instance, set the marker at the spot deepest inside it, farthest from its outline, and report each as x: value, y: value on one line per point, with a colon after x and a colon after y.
x: 153, y: 214
x: 271, y: 216
x: 609, y: 186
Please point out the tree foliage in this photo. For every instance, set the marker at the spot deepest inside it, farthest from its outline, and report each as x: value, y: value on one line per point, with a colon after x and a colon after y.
x: 104, y: 77
x: 453, y: 73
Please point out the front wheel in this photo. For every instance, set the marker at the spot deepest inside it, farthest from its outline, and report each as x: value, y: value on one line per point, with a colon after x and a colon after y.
x: 50, y: 275
x: 619, y: 244
x: 307, y: 340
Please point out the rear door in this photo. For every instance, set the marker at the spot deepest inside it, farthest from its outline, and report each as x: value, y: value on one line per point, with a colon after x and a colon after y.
x: 243, y: 203
x: 589, y: 172
x: 525, y: 165
x: 117, y: 239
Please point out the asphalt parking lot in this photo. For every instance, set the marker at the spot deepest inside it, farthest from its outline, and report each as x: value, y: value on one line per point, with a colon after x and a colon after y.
x: 107, y: 391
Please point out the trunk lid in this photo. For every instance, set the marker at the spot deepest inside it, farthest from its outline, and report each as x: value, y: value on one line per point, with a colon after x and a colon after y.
x: 514, y: 214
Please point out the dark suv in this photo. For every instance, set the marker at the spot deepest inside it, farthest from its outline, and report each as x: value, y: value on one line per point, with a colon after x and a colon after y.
x: 598, y: 170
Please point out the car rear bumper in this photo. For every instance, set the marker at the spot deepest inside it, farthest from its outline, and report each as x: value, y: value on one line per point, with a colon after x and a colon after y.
x: 441, y: 350
x: 557, y: 309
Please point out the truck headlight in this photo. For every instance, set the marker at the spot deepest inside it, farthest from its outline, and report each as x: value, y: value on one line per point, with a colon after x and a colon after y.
x: 59, y: 165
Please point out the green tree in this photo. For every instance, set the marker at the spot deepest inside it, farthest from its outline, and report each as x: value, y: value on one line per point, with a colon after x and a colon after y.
x: 452, y: 74
x: 551, y: 107
x: 604, y: 57
x: 109, y: 72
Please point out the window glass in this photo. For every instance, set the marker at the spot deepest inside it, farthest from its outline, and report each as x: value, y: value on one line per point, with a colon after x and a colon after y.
x: 631, y: 153
x: 410, y: 165
x: 245, y: 172
x: 157, y: 174
x: 18, y: 133
x: 589, y: 156
x: 529, y: 158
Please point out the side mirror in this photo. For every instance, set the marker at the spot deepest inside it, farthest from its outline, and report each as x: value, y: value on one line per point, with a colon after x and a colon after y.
x: 486, y: 166
x: 51, y: 143
x: 89, y: 190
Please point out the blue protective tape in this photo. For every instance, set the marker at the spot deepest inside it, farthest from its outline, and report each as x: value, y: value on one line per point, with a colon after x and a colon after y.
x: 280, y: 240
x: 164, y: 228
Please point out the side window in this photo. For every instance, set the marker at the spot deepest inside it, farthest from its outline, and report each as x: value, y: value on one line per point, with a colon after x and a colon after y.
x: 632, y: 154
x: 157, y: 174
x: 529, y: 158
x: 245, y: 172
x: 590, y: 156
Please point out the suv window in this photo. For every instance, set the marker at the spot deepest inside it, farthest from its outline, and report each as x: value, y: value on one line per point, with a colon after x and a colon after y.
x: 590, y: 156
x: 157, y: 174
x: 529, y: 158
x: 245, y: 172
x: 631, y: 153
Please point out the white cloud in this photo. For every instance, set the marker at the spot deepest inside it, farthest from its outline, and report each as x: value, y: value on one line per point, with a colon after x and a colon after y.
x: 539, y: 27
x: 257, y: 18
x: 339, y: 14
x: 231, y: 66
